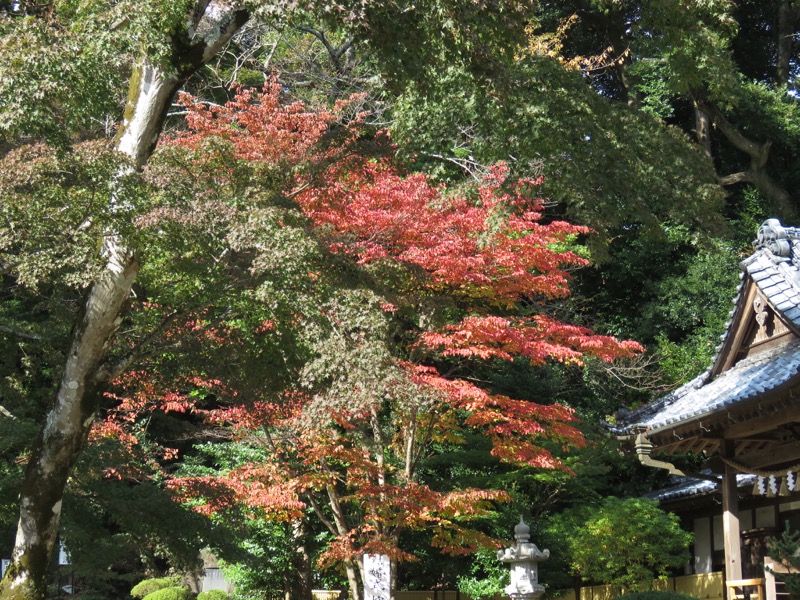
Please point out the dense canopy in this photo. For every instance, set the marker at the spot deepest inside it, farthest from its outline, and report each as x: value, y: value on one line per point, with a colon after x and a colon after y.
x: 298, y: 280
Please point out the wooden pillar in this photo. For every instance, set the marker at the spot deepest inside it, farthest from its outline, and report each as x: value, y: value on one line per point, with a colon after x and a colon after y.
x: 730, y: 518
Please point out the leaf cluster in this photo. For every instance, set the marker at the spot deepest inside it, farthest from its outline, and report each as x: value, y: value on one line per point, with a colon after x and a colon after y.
x: 622, y: 542
x: 603, y: 162
x: 147, y: 586
x: 54, y: 212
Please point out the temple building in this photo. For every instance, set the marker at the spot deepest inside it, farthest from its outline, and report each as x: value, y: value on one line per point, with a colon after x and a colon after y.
x: 742, y: 418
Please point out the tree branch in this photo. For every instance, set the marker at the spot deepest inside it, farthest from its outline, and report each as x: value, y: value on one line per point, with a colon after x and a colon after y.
x: 22, y: 334
x: 734, y: 178
x: 321, y: 515
x: 759, y: 156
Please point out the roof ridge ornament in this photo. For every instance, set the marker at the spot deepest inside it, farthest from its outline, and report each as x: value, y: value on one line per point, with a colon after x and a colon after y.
x: 776, y: 238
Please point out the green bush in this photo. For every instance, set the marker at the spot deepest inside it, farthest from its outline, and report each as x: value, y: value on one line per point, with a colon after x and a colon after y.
x: 656, y: 595
x: 171, y: 593
x: 213, y: 595
x: 623, y: 542
x: 148, y: 586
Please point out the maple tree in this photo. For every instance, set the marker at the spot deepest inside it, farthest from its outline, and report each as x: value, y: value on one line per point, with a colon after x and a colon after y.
x: 397, y: 288
x: 61, y: 82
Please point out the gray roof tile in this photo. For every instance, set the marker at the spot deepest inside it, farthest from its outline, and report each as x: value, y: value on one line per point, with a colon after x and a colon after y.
x: 747, y: 379
x: 778, y: 279
x: 689, y: 487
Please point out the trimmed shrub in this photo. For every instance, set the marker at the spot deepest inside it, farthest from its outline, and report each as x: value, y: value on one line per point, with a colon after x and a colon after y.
x: 656, y: 595
x: 213, y: 595
x: 171, y: 593
x: 148, y: 586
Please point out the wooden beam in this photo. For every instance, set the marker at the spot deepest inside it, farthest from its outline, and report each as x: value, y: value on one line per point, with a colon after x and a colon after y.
x: 739, y: 325
x: 730, y: 518
x: 762, y: 423
x: 772, y: 456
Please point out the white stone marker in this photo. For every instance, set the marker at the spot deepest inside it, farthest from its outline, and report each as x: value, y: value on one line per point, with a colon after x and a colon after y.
x: 377, y: 577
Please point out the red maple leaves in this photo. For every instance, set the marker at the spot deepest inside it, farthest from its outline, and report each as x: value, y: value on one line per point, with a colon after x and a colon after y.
x: 490, y: 245
x: 486, y: 248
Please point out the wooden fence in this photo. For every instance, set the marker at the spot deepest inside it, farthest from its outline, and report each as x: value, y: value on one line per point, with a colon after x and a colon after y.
x: 706, y: 586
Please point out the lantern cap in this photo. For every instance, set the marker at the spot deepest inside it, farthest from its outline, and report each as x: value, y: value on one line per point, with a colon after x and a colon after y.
x: 522, y: 532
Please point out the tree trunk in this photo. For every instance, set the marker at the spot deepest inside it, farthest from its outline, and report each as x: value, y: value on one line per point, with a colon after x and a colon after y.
x: 86, y: 369
x: 757, y: 172
x: 788, y: 15
x: 352, y: 569
x: 301, y: 583
x: 702, y: 122
x: 63, y: 434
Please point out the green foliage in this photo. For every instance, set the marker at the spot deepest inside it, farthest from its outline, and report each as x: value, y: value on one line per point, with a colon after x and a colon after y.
x: 786, y: 550
x: 606, y: 163
x: 694, y: 41
x: 264, y: 549
x: 487, y: 577
x: 171, y: 593
x: 62, y: 75
x: 650, y: 82
x: 34, y: 328
x: 213, y: 595
x: 677, y: 288
x: 622, y: 542
x: 53, y: 212
x: 412, y: 40
x: 148, y: 586
x: 118, y: 530
x: 690, y: 313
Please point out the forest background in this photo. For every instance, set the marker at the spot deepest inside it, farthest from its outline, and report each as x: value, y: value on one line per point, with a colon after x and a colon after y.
x: 286, y: 352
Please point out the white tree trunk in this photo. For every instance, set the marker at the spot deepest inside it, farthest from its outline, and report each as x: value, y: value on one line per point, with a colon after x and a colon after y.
x: 66, y: 428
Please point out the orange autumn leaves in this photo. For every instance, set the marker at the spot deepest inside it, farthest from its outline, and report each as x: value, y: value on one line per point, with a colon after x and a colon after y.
x: 486, y: 248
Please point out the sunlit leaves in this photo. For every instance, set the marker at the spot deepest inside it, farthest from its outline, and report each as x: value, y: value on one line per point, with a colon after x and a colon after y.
x: 54, y: 211
x: 394, y: 289
x: 605, y: 163
x: 623, y: 542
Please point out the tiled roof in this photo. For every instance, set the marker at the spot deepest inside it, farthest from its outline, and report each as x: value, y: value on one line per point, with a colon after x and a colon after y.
x: 778, y: 279
x: 690, y: 487
x: 775, y: 270
x: 747, y: 379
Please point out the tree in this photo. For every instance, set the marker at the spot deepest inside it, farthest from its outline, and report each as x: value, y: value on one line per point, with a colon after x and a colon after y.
x: 622, y: 542
x: 172, y: 41
x: 154, y: 83
x: 607, y: 90
x: 723, y: 72
x: 390, y: 348
x: 606, y: 164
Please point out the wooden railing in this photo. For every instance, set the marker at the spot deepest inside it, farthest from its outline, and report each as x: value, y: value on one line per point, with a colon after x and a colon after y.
x: 745, y: 589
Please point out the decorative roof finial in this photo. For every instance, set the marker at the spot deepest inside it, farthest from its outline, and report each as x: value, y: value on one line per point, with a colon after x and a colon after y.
x: 776, y: 238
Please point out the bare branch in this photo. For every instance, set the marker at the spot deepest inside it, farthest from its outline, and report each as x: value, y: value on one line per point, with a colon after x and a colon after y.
x: 469, y: 165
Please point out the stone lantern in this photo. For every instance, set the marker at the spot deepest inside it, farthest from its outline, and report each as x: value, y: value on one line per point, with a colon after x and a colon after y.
x: 523, y: 558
